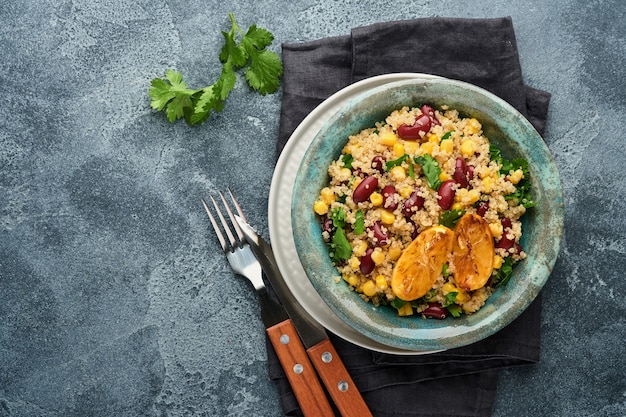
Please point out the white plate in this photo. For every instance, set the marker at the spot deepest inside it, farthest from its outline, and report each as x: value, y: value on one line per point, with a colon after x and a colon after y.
x: 279, y: 216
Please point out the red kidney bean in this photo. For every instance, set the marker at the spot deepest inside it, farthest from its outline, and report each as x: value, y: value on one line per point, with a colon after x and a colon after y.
x: 482, y: 208
x: 414, y: 233
x: 505, y: 242
x: 365, y: 189
x: 417, y: 131
x: 518, y: 248
x: 389, y: 198
x: 327, y: 225
x: 470, y: 172
x: 380, y: 236
x: 435, y: 311
x: 378, y: 163
x: 427, y: 109
x: 506, y: 222
x: 367, y: 264
x: 446, y: 194
x: 412, y: 204
x: 460, y: 173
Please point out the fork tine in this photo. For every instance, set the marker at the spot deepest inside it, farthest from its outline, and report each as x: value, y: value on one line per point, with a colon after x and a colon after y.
x: 232, y: 217
x: 231, y: 238
x: 216, y: 228
x: 237, y: 206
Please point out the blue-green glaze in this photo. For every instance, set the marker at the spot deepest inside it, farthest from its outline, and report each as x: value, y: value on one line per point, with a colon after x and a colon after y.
x: 542, y: 225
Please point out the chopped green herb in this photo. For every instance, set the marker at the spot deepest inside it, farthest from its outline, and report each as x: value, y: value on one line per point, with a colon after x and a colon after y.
x: 502, y: 277
x: 396, y: 162
x: 431, y: 170
x: 450, y: 217
x: 338, y: 216
x: 359, y: 224
x: 340, y: 246
x: 347, y: 160
x: 445, y: 271
x: 450, y: 298
x: 447, y: 135
x: 455, y: 310
x: 397, y: 303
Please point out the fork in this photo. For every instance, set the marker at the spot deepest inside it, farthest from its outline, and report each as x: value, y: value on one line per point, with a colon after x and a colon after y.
x: 282, y: 334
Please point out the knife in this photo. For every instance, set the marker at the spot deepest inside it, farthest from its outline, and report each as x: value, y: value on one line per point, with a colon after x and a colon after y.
x: 320, y: 349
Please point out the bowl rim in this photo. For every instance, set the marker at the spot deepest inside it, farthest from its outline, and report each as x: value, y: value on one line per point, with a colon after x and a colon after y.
x: 463, y: 333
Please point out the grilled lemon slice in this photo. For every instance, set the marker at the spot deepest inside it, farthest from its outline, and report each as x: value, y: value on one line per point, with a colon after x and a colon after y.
x: 472, y: 252
x: 421, y: 263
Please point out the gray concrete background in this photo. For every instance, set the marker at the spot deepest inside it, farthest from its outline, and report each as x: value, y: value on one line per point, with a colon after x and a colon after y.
x: 114, y: 298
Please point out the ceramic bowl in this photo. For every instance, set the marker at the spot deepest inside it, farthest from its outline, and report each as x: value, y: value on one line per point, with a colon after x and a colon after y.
x: 542, y: 225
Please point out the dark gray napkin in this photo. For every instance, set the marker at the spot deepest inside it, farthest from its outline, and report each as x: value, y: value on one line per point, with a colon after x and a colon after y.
x: 458, y: 382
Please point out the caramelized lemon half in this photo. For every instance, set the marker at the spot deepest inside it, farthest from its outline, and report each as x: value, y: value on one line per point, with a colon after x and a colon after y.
x: 421, y: 263
x: 473, y: 252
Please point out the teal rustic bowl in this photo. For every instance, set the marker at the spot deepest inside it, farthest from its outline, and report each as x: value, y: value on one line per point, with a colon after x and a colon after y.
x: 542, y: 225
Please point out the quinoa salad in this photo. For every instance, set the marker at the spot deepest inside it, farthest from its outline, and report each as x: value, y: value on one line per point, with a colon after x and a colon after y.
x: 421, y: 213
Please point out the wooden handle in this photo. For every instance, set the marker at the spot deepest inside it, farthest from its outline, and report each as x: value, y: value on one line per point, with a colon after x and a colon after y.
x: 337, y: 380
x: 300, y: 372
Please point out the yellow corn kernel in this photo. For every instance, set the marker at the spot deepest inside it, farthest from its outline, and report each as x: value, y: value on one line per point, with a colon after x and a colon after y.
x: 461, y: 296
x: 320, y: 207
x: 433, y: 138
x: 516, y: 176
x: 497, y: 261
x: 449, y: 287
x: 405, y: 310
x: 457, y: 206
x: 327, y: 195
x: 356, y: 182
x: 378, y: 256
x: 468, y: 147
x: 446, y: 146
x: 398, y: 149
x: 355, y: 263
x: 444, y: 176
x: 398, y: 173
x: 394, y: 252
x: 376, y: 199
x: 405, y: 192
x: 387, y: 217
x: 473, y: 196
x: 349, y: 149
x: 359, y: 249
x: 381, y: 282
x: 353, y: 280
x: 388, y: 138
x: 460, y: 194
x: 369, y: 288
x: 427, y: 147
x: 488, y: 184
x: 472, y: 127
x: 496, y: 229
x: 484, y: 172
x: 410, y: 147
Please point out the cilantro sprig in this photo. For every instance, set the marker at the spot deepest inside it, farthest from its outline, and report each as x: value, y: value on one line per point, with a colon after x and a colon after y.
x: 263, y: 70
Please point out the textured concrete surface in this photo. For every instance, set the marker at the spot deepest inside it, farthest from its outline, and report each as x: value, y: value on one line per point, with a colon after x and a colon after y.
x: 114, y: 299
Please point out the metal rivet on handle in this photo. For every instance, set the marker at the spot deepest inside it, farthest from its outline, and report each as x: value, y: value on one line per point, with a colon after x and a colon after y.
x: 298, y: 368
x: 327, y: 357
x: 343, y: 386
x: 284, y: 339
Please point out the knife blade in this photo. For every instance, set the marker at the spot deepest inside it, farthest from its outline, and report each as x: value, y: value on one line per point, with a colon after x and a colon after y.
x: 320, y: 349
